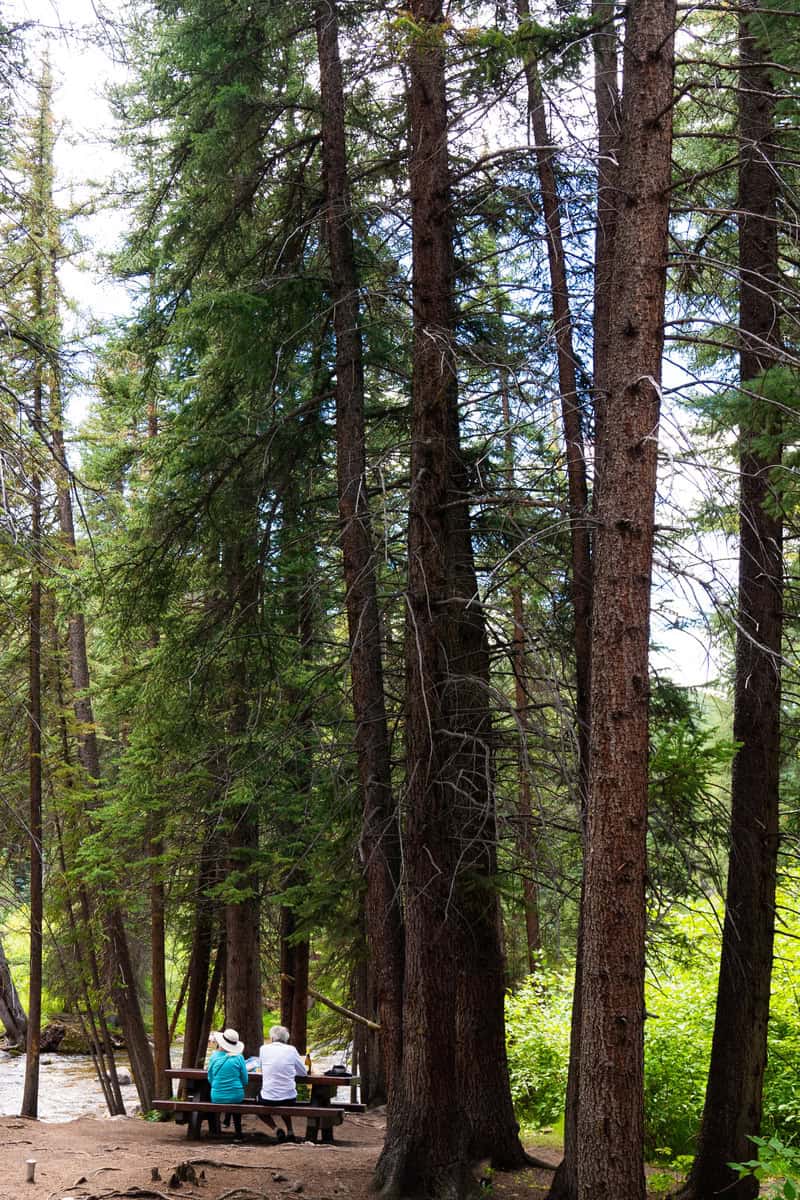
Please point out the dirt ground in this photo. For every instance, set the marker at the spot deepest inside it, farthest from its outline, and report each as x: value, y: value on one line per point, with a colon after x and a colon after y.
x: 121, y: 1157
x: 91, y: 1159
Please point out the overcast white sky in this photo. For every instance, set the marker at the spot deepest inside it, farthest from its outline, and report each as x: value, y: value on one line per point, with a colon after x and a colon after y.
x: 81, y: 71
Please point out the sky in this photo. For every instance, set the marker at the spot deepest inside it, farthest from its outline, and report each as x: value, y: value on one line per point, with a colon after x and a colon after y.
x: 82, y: 71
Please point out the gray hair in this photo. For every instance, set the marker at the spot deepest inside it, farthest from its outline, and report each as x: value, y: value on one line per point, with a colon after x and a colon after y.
x: 279, y: 1033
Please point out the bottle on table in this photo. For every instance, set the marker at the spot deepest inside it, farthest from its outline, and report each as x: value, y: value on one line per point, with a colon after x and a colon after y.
x: 308, y: 1063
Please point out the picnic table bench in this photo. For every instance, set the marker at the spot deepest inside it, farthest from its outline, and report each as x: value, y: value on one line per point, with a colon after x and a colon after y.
x: 321, y: 1114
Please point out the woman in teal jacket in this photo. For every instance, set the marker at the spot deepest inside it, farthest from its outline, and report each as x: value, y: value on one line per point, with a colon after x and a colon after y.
x: 227, y: 1073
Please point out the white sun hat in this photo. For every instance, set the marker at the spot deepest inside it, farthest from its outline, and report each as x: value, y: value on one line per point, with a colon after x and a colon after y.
x: 229, y: 1041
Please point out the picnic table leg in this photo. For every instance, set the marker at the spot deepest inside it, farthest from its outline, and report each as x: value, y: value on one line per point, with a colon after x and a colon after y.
x: 321, y: 1096
x: 312, y: 1129
x: 194, y: 1125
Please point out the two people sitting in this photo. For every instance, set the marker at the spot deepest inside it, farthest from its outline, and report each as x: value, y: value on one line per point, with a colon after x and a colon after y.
x: 279, y: 1064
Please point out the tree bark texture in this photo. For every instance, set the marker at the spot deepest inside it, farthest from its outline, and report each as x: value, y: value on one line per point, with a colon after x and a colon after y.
x: 607, y: 109
x: 610, y: 1108
x: 380, y: 849
x: 453, y: 964
x: 733, y: 1101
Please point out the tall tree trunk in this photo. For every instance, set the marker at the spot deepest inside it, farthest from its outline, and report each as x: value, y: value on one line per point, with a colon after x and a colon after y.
x: 733, y: 1102
x: 78, y: 910
x: 564, y: 1185
x: 243, y: 916
x: 610, y: 1110
x: 453, y: 964
x: 294, y: 981
x: 194, y: 1044
x: 161, y: 1057
x: 158, y: 904
x: 577, y: 486
x: 30, y: 1094
x: 123, y: 984
x: 379, y: 842
x: 368, y: 1058
x: 607, y: 108
x: 45, y: 320
x: 243, y: 1007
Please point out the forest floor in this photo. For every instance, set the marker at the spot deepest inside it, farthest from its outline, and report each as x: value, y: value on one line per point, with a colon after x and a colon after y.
x: 122, y: 1157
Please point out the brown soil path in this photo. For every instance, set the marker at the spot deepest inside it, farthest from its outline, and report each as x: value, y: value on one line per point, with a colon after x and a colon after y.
x: 115, y: 1159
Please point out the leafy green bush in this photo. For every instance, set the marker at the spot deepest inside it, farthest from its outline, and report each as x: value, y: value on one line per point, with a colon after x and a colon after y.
x: 680, y: 998
x: 778, y: 1163
x: 679, y: 1001
x: 538, y: 1022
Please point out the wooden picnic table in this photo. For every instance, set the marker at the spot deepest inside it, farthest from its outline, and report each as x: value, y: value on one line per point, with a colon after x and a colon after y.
x: 322, y: 1113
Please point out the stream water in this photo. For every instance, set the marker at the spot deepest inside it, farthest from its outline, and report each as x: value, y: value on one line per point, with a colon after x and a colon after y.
x: 68, y: 1087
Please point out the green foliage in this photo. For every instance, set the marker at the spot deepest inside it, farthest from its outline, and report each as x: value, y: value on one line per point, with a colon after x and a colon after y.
x: 680, y: 998
x: 777, y: 1163
x: 538, y: 1022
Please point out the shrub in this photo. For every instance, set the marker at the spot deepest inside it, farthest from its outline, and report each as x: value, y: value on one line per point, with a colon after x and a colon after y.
x: 538, y: 1022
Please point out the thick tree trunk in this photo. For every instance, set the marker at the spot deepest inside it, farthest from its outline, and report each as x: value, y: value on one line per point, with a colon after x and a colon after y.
x: 379, y: 842
x: 733, y: 1101
x: 12, y: 1014
x: 610, y: 1110
x: 453, y: 965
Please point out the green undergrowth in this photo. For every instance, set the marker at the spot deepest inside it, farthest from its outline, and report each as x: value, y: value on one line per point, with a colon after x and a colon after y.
x: 680, y: 1000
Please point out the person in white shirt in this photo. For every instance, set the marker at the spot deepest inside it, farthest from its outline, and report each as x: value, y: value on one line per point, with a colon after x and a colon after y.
x: 280, y: 1062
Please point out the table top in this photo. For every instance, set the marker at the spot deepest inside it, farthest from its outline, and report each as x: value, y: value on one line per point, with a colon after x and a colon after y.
x: 314, y: 1080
